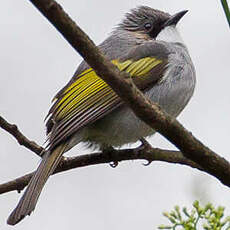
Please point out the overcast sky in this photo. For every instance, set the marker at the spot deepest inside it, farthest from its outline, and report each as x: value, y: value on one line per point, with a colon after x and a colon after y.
x: 36, y: 62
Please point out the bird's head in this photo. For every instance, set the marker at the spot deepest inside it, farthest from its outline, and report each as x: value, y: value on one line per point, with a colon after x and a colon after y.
x: 150, y: 24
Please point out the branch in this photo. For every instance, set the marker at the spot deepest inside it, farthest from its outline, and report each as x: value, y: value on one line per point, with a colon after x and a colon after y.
x: 226, y: 10
x: 22, y: 140
x: 169, y: 127
x: 144, y: 152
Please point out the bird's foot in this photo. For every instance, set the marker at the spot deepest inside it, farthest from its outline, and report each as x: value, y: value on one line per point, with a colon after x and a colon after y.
x: 110, y: 150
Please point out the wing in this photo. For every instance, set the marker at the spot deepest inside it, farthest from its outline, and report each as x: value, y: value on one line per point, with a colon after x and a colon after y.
x: 86, y: 98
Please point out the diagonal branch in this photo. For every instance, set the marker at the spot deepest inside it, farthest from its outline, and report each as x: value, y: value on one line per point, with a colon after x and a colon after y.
x: 22, y: 140
x: 150, y: 113
x: 226, y: 10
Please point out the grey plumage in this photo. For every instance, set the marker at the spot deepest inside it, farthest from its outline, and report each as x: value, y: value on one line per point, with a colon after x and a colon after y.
x: 172, y: 93
x: 144, y: 32
x: 29, y: 199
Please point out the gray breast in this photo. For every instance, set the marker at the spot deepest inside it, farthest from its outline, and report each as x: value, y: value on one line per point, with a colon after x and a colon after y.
x: 172, y: 94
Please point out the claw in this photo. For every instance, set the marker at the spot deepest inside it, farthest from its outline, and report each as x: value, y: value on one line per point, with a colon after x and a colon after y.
x: 109, y: 150
x: 114, y: 164
x: 145, y: 146
x: 147, y: 164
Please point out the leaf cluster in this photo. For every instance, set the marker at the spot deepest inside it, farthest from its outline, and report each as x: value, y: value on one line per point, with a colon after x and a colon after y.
x: 206, y: 218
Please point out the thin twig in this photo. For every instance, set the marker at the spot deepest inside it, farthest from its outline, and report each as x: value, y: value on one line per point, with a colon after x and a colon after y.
x: 226, y: 10
x: 22, y: 140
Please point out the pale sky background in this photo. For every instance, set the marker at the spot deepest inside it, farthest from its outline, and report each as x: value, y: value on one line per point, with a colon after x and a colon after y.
x: 36, y: 62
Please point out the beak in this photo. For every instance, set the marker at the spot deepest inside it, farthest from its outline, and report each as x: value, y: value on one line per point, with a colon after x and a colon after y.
x: 173, y: 20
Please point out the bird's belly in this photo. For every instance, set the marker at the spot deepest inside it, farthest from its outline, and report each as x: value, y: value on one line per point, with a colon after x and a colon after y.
x: 122, y: 126
x: 116, y: 129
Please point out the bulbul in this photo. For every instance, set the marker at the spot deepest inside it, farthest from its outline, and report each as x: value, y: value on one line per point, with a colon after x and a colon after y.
x: 147, y: 46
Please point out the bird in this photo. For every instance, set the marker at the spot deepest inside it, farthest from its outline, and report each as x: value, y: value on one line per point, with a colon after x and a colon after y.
x: 147, y: 46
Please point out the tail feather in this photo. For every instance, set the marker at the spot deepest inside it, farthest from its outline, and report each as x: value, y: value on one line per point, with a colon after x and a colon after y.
x: 30, y: 197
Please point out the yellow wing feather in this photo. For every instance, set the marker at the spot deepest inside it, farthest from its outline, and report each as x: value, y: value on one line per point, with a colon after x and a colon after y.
x: 89, y: 83
x: 88, y: 97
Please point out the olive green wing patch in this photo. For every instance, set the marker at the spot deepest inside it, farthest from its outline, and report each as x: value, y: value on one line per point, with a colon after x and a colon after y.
x: 89, y: 98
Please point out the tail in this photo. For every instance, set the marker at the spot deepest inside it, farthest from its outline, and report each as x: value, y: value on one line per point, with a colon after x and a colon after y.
x: 30, y: 197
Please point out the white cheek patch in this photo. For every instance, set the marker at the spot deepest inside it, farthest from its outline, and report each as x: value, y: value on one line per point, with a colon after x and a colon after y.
x: 169, y: 34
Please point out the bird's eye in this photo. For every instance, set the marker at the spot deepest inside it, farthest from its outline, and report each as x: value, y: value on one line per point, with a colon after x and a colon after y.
x: 148, y: 26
